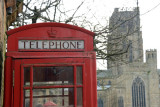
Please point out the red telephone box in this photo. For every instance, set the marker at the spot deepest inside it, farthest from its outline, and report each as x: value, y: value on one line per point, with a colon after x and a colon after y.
x: 50, y: 63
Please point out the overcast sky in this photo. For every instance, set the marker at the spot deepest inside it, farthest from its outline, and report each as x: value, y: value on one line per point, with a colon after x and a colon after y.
x: 102, y: 10
x: 150, y: 20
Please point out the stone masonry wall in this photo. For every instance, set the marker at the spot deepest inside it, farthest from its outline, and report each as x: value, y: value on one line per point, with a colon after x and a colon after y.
x: 2, y: 47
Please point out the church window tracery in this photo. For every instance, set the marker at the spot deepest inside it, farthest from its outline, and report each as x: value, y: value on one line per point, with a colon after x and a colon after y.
x: 100, y: 102
x: 138, y: 93
x: 120, y: 102
x: 130, y: 51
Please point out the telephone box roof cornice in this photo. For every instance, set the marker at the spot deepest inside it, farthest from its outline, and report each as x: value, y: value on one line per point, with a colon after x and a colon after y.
x: 53, y: 24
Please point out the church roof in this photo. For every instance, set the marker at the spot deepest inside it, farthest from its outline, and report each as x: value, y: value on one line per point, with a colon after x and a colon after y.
x: 104, y: 73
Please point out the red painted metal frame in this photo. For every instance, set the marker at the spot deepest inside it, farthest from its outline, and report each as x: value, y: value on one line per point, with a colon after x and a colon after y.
x: 89, y: 84
x: 61, y: 25
x: 22, y: 83
x: 39, y: 32
x: 31, y: 87
x: 17, y: 59
x: 8, y: 83
x: 39, y: 63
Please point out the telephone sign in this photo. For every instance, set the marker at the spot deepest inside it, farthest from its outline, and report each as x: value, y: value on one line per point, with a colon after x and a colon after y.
x: 51, y: 44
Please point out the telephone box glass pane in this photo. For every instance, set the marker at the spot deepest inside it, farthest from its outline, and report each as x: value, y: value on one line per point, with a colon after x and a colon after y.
x: 26, y: 75
x: 79, y: 75
x: 26, y: 98
x: 79, y: 97
x: 57, y: 97
x: 57, y: 75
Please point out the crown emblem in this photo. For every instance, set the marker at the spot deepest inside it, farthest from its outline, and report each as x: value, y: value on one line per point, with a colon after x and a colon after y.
x: 52, y: 33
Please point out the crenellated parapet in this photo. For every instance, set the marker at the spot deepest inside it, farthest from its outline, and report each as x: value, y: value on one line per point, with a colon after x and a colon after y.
x: 151, y: 58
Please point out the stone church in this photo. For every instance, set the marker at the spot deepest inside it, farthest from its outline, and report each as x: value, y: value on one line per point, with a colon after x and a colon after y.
x: 129, y: 81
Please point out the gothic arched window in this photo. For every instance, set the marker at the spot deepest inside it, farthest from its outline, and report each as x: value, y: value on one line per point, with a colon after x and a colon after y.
x: 138, y: 93
x: 120, y: 102
x: 100, y: 102
x: 130, y: 51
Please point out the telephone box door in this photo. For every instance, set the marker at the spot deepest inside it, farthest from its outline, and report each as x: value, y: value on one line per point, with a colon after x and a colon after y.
x: 59, y: 82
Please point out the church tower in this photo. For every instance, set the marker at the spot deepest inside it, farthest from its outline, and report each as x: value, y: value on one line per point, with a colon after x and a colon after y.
x: 125, y: 39
x: 151, y: 58
x: 135, y: 83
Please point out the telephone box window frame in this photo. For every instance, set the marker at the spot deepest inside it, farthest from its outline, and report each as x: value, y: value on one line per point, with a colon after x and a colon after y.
x: 75, y: 85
